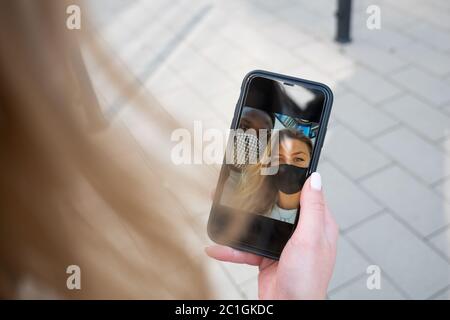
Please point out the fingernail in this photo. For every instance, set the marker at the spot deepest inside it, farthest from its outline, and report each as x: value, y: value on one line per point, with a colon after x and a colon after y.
x: 316, y: 181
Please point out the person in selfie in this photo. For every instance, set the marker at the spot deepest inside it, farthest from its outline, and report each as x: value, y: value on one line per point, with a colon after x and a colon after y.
x: 277, y: 196
x: 245, y: 147
x: 293, y: 161
x: 77, y: 190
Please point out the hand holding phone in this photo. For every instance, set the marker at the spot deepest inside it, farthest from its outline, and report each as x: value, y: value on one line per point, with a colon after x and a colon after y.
x: 307, y: 261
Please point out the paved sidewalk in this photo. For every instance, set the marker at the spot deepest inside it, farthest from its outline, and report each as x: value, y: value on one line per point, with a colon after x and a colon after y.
x: 386, y: 161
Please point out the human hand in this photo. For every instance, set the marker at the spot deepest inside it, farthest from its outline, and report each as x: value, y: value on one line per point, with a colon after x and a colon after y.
x: 307, y: 261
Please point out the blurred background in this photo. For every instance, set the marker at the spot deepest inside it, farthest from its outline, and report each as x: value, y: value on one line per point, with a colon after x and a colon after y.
x: 386, y: 160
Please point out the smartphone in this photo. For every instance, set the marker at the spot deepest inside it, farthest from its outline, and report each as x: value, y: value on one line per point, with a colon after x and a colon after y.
x: 275, y: 140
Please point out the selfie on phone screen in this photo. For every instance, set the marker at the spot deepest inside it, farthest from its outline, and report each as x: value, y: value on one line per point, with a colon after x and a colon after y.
x: 269, y: 157
x: 272, y: 194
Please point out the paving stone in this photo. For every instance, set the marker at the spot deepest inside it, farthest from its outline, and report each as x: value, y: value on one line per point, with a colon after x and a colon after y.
x: 362, y: 206
x: 360, y: 116
x: 240, y: 272
x: 392, y: 17
x: 372, y: 87
x: 382, y: 61
x: 420, y: 116
x: 327, y: 58
x: 384, y: 38
x: 419, y: 271
x: 414, y: 153
x: 349, y: 264
x: 442, y: 242
x: 431, y: 35
x: 426, y: 86
x: 220, y: 283
x: 286, y: 35
x: 250, y: 289
x: 357, y: 290
x: 352, y: 154
x: 443, y: 296
x: 298, y: 17
x: 443, y: 188
x: 411, y: 200
x: 425, y: 57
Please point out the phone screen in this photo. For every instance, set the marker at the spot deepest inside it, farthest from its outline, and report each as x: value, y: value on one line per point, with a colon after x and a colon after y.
x: 268, y: 158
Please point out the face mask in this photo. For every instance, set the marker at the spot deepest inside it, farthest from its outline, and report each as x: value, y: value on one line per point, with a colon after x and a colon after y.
x: 246, y: 149
x: 290, y: 179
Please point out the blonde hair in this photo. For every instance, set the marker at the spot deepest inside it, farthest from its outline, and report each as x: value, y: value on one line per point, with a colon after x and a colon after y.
x: 256, y: 192
x: 75, y: 187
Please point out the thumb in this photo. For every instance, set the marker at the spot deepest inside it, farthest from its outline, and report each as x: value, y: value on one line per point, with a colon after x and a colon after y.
x: 312, y: 210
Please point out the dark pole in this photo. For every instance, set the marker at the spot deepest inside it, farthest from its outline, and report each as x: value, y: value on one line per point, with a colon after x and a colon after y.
x: 343, y: 16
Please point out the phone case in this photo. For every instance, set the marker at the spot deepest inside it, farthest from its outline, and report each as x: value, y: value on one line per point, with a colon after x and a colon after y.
x: 316, y: 152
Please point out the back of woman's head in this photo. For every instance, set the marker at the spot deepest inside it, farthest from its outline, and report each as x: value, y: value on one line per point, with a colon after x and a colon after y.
x: 75, y: 188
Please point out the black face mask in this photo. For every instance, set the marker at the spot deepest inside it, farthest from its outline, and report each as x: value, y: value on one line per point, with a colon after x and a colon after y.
x: 290, y: 179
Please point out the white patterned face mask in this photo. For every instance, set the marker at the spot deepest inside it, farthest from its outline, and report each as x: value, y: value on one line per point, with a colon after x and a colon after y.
x: 246, y: 148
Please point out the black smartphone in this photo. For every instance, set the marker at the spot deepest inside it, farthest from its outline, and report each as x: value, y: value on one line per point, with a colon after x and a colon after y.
x: 275, y: 140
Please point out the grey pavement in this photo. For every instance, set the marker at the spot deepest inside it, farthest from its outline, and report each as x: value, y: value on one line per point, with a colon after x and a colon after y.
x: 386, y: 160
